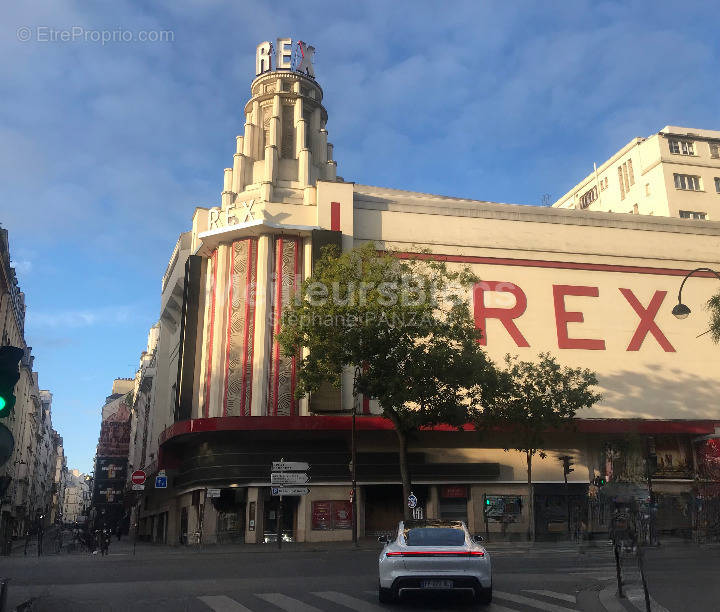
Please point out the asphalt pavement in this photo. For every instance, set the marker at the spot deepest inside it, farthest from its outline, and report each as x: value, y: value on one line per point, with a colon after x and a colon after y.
x: 312, y: 578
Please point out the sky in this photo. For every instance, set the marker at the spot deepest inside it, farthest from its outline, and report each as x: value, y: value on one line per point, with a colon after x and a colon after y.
x: 107, y: 148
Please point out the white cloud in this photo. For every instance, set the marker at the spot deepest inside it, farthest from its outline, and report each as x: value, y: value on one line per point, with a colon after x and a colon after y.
x: 113, y: 315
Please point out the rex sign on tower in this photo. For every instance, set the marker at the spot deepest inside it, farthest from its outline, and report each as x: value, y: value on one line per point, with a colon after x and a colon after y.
x: 285, y: 54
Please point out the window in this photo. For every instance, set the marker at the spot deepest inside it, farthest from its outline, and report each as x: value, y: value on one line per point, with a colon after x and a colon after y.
x: 603, y: 184
x: 588, y: 197
x: 622, y: 185
x: 682, y: 147
x: 717, y: 184
x: 630, y: 171
x: 647, y: 189
x: 690, y: 214
x: 687, y: 182
x: 435, y: 536
x: 714, y: 149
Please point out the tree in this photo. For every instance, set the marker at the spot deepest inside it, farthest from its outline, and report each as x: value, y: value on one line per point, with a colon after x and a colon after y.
x: 714, y: 307
x: 535, y: 397
x: 404, y: 325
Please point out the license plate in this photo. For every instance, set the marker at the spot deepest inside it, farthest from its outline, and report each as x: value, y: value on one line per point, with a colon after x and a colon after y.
x: 437, y: 584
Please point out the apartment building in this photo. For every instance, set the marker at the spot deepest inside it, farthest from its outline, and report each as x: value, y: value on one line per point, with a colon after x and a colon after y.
x: 674, y: 173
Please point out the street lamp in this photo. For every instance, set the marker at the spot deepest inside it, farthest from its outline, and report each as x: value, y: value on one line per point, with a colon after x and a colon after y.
x: 680, y: 310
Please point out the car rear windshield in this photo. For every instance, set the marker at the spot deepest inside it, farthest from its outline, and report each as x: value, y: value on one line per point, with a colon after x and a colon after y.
x: 434, y: 536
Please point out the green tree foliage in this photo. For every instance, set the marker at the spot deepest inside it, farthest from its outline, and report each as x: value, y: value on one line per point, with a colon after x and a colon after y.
x: 714, y: 307
x: 534, y: 398
x: 405, y: 325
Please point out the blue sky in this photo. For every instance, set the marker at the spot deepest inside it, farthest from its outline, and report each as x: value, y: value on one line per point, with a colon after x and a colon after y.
x: 105, y: 150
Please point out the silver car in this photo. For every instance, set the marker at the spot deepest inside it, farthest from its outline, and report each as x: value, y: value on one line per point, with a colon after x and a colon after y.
x: 433, y: 555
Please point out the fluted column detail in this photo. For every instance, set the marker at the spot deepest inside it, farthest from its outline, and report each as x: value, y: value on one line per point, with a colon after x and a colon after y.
x: 239, y: 165
x: 227, y: 194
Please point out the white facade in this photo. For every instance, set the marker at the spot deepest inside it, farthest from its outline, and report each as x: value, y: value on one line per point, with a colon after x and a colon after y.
x: 77, y: 497
x: 674, y: 173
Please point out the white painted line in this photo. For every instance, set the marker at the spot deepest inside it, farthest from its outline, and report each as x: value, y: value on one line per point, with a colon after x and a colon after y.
x: 349, y: 602
x: 289, y: 604
x: 609, y: 599
x: 535, y: 603
x: 637, y: 599
x: 553, y: 595
x: 222, y: 603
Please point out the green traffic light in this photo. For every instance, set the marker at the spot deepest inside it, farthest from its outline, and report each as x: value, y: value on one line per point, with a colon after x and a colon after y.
x: 3, y: 403
x: 487, y: 502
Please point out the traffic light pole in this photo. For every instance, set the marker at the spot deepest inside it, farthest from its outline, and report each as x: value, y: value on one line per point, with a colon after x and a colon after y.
x: 485, y: 514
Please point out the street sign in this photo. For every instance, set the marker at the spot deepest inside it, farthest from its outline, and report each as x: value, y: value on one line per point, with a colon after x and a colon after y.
x: 412, y: 500
x: 293, y: 478
x: 138, y: 477
x: 213, y: 492
x: 138, y: 487
x: 418, y: 514
x: 161, y: 481
x: 283, y: 491
x: 290, y: 466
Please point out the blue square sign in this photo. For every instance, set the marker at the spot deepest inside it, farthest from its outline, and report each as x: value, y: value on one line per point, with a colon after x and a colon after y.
x: 161, y: 482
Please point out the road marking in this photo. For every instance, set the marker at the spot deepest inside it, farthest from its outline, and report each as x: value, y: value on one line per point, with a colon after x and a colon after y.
x: 553, y: 595
x: 349, y: 602
x: 498, y: 608
x: 637, y: 599
x: 290, y: 604
x: 535, y: 603
x: 222, y: 603
x: 609, y: 599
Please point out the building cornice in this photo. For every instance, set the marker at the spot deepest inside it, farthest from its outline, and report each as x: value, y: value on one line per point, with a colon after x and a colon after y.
x: 212, y: 239
x: 376, y: 198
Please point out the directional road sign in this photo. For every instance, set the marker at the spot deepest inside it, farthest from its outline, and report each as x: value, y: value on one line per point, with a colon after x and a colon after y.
x: 291, y: 478
x: 138, y: 477
x: 290, y: 466
x: 289, y: 491
x: 161, y: 482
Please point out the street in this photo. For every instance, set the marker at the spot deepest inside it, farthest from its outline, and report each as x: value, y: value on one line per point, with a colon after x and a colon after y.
x: 552, y: 578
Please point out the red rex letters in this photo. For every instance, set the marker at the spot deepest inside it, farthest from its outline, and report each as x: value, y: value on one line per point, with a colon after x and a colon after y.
x: 509, y: 316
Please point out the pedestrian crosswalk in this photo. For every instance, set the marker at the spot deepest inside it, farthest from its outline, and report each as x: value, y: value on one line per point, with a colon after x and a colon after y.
x: 366, y: 601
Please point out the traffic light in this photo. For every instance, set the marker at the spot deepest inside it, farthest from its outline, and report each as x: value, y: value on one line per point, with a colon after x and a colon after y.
x: 9, y: 375
x: 567, y: 465
x: 600, y: 481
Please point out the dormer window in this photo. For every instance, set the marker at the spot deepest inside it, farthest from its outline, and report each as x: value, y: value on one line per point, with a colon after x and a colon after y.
x: 682, y: 147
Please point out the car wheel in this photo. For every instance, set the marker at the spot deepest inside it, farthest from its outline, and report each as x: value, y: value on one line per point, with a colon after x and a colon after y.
x: 484, y: 596
x: 385, y: 595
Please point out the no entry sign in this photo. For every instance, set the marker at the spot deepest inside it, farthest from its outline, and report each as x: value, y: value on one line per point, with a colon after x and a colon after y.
x: 138, y: 477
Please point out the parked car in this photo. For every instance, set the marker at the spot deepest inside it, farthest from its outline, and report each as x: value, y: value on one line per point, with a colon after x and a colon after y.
x: 433, y: 555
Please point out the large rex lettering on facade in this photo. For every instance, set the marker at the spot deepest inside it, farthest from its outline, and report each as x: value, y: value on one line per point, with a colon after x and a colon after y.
x: 511, y: 316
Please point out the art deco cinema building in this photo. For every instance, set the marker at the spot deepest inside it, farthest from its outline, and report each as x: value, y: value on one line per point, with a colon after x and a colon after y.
x: 214, y: 401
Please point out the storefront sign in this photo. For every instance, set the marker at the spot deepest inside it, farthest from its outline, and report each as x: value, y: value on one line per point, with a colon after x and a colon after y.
x: 449, y: 491
x: 322, y: 515
x: 504, y: 508
x: 327, y: 515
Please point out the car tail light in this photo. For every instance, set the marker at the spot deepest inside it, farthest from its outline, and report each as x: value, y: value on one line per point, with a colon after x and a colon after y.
x: 435, y: 553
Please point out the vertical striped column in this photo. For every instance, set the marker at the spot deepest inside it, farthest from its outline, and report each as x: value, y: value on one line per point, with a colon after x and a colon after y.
x: 211, y: 332
x: 239, y: 346
x: 282, y: 370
